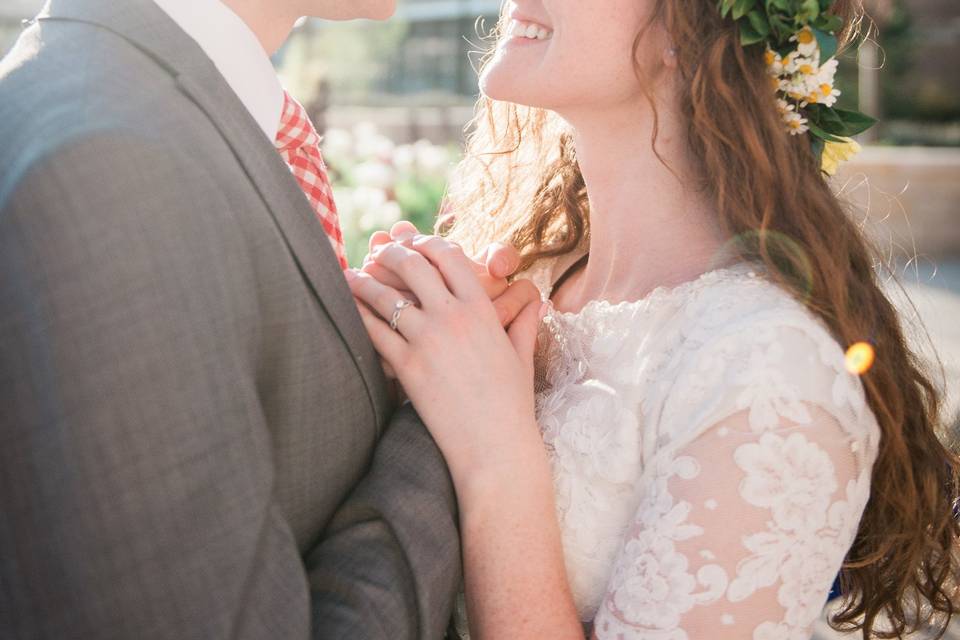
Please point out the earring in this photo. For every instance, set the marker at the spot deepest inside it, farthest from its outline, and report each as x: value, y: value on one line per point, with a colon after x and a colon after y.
x: 670, y: 57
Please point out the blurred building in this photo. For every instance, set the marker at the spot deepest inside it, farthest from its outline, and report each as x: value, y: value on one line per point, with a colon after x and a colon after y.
x: 425, y: 55
x: 414, y: 76
x: 920, y: 84
x: 441, y: 45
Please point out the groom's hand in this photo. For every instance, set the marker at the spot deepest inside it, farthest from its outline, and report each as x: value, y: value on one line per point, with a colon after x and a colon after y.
x: 493, y: 268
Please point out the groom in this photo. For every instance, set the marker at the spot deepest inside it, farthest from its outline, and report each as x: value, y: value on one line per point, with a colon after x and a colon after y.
x: 196, y: 439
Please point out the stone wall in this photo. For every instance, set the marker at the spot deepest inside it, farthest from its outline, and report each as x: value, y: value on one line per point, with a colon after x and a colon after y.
x: 909, y: 198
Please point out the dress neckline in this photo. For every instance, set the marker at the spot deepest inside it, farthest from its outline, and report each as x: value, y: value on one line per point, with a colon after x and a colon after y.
x: 656, y: 295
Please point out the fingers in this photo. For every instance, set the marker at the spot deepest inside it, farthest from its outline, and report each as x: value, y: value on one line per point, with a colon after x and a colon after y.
x: 383, y: 300
x: 389, y: 344
x: 416, y: 273
x: 384, y: 275
x: 523, y: 333
x: 388, y: 371
x: 377, y: 239
x: 403, y: 231
x: 502, y: 260
x: 457, y: 270
x: 493, y: 285
x: 514, y: 300
x: 498, y: 262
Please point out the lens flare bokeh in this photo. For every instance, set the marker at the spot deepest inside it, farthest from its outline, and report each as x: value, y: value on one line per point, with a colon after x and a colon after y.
x: 860, y: 357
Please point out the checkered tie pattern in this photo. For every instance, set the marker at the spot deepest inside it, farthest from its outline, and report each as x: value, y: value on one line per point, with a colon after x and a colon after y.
x: 299, y: 145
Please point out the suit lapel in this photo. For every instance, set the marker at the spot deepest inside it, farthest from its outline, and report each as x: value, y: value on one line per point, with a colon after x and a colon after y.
x: 293, y: 216
x: 146, y: 27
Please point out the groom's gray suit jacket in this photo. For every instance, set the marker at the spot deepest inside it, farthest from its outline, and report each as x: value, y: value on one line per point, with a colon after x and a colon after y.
x: 195, y: 435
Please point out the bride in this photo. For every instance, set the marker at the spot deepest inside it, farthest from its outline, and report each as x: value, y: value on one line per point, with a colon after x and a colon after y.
x: 714, y: 413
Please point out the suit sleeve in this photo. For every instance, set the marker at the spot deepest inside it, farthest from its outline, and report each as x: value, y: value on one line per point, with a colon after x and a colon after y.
x: 389, y: 566
x: 136, y: 469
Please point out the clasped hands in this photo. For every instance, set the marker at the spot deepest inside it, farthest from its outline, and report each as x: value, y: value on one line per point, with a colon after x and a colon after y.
x: 493, y: 269
x: 464, y: 351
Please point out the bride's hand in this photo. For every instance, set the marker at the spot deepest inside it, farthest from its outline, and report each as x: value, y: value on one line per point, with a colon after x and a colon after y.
x: 471, y: 381
x: 493, y: 267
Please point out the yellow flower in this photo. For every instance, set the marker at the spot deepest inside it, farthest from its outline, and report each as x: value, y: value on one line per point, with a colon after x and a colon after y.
x: 806, y: 41
x: 836, y: 152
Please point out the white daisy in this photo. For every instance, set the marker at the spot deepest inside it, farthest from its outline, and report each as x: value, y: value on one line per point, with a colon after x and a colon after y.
x: 796, y: 123
x: 806, y: 41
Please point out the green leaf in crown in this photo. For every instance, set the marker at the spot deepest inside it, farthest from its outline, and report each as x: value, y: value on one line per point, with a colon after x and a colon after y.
x: 800, y: 37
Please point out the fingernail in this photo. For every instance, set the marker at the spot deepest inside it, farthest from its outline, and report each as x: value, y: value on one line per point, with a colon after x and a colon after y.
x: 350, y: 274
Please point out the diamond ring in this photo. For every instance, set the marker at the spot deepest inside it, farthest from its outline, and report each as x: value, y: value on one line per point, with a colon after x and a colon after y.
x: 398, y: 308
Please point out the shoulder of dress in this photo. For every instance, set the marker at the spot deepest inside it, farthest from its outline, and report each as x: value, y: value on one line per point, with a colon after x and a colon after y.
x: 746, y: 306
x: 751, y: 346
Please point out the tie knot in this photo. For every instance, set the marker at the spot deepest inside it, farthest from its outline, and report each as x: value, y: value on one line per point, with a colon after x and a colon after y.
x: 295, y: 129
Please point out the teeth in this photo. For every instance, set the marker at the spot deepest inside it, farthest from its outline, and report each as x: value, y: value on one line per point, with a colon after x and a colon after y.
x: 528, y: 30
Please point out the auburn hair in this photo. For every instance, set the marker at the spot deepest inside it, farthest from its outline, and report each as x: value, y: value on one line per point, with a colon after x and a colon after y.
x: 520, y: 183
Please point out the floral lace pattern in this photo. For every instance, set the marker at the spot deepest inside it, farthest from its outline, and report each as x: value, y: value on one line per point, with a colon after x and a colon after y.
x: 711, y: 457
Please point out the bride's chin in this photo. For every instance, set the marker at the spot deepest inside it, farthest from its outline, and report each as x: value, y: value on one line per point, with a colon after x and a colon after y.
x: 507, y: 89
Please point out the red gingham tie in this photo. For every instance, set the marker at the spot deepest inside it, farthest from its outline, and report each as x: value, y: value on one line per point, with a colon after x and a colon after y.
x: 298, y: 143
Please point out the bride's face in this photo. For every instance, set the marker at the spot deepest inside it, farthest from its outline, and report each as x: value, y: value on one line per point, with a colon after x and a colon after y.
x: 567, y: 54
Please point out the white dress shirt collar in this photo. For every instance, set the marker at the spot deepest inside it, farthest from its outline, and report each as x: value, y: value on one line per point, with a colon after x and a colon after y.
x: 237, y: 54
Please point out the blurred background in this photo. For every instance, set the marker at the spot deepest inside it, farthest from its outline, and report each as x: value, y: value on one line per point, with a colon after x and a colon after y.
x: 392, y: 100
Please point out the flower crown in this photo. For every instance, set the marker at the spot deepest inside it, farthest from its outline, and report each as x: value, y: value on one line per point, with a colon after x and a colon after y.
x: 801, y: 48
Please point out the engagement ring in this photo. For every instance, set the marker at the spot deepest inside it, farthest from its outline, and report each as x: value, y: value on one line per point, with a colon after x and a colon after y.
x: 398, y: 308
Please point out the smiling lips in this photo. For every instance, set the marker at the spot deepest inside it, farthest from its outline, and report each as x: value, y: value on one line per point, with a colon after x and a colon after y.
x: 528, y: 30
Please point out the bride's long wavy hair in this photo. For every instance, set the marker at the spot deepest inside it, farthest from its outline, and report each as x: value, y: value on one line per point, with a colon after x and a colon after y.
x: 520, y: 183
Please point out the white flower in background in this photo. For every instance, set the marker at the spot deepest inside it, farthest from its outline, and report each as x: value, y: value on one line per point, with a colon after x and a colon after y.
x: 375, y: 173
x: 365, y: 198
x: 352, y: 203
x: 338, y: 145
x: 370, y: 143
x: 377, y: 183
x: 405, y: 158
x: 432, y: 159
x: 382, y: 217
x: 366, y: 209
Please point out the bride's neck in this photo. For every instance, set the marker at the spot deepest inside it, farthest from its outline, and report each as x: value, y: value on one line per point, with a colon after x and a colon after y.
x: 649, y: 223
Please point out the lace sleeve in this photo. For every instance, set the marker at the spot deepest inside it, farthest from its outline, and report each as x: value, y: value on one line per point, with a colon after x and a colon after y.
x: 751, y: 504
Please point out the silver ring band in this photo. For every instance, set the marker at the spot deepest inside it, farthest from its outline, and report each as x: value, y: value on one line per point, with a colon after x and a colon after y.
x: 398, y: 308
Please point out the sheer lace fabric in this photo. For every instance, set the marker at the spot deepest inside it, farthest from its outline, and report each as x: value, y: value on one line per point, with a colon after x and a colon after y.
x: 711, y: 456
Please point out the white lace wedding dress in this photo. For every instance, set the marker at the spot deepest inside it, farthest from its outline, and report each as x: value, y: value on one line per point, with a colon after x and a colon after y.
x: 711, y: 455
